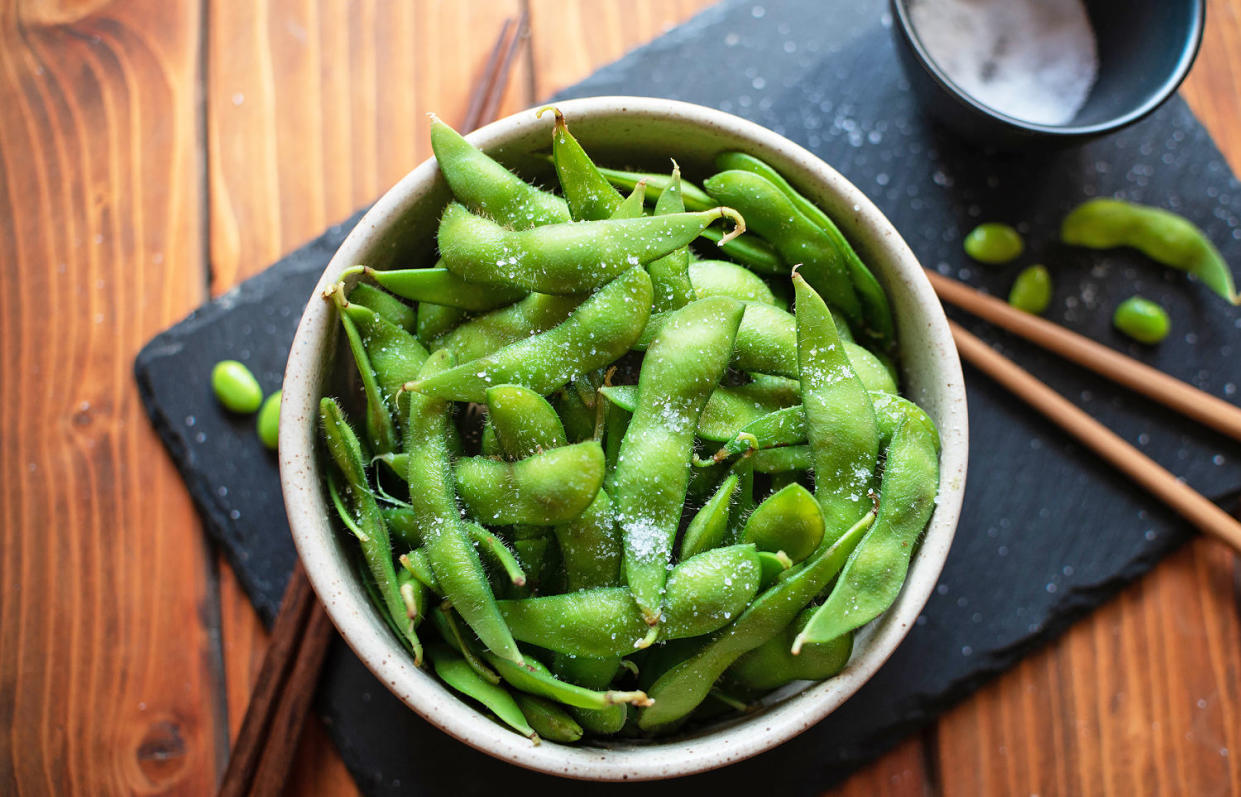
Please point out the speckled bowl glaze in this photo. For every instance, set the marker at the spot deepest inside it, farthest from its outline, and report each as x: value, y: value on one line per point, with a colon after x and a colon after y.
x: 640, y: 132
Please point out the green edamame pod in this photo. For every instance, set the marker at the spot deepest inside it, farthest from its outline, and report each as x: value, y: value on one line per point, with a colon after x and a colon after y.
x: 693, y: 196
x: 485, y: 186
x: 876, y: 569
x: 447, y: 543
x: 392, y: 309
x: 435, y: 321
x: 491, y: 332
x: 551, y: 487
x: 788, y: 520
x: 1159, y: 234
x: 588, y: 193
x: 418, y: 566
x: 578, y: 419
x: 548, y: 719
x: 704, y: 593
x: 564, y: 258
x: 876, y: 309
x: 840, y: 419
x: 596, y: 674
x: 524, y: 422
x: 773, y: 566
x: 599, y: 331
x: 679, y: 689
x: 670, y: 274
x: 721, y: 278
x: 395, y: 355
x: 772, y: 664
x: 345, y: 450
x: 633, y: 205
x: 683, y: 365
x: 780, y: 460
x: 380, y: 430
x: 413, y: 594
x: 793, y: 235
x: 535, y: 678
x: 441, y: 286
x: 590, y: 546
x: 498, y: 552
x: 454, y: 671
x: 749, y: 250
x: 710, y: 524
x: 727, y: 410
x: 450, y: 631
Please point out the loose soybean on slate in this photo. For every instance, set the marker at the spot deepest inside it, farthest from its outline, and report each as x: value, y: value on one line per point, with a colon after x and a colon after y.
x: 235, y: 387
x: 993, y: 242
x: 268, y: 423
x: 1031, y: 290
x: 585, y: 455
x: 1141, y: 319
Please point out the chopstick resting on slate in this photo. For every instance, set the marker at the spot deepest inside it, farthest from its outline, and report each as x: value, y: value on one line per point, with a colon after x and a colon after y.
x: 1144, y: 471
x: 271, y: 729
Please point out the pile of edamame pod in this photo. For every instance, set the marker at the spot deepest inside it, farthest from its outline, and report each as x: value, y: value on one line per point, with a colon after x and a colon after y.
x: 609, y: 486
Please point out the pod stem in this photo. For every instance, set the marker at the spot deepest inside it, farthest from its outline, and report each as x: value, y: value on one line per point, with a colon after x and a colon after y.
x: 636, y: 698
x: 738, y: 225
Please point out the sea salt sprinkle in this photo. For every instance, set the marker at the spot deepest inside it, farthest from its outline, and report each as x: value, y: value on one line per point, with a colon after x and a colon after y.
x: 1034, y: 60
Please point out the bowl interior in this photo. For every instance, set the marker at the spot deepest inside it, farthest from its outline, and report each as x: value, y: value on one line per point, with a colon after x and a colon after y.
x: 399, y: 230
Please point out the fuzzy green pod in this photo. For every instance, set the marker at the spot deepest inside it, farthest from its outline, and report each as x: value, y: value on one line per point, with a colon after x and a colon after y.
x: 789, y: 520
x: 772, y: 664
x: 709, y: 526
x: 721, y: 278
x: 551, y: 487
x: 457, y: 673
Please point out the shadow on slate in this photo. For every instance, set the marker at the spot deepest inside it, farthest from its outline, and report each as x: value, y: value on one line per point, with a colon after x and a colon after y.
x: 1048, y: 531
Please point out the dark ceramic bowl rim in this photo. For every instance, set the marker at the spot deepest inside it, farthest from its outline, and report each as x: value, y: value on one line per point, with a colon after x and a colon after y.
x: 1170, y: 85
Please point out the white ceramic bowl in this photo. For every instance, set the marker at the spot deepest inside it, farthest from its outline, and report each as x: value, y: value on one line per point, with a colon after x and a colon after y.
x: 644, y: 132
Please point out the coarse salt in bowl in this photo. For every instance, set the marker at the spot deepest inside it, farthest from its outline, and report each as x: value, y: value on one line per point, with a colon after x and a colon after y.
x: 641, y: 132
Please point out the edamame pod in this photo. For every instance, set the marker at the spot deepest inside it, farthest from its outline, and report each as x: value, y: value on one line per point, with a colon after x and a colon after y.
x: 491, y: 332
x: 432, y: 498
x: 552, y: 487
x: 780, y: 460
x: 840, y: 419
x: 588, y: 193
x: 1159, y: 234
x: 704, y: 593
x: 599, y: 331
x: 549, y: 720
x: 391, y: 308
x: 380, y: 430
x: 395, y: 355
x: 590, y: 546
x: 727, y: 410
x: 721, y: 278
x: 484, y: 186
x: 710, y: 524
x: 876, y: 569
x: 535, y: 678
x: 435, y: 320
x: 772, y: 664
x: 682, y: 366
x: 789, y: 520
x: 524, y: 422
x: 670, y: 274
x: 679, y: 689
x: 694, y: 197
x: 454, y: 671
x: 564, y: 258
x: 441, y: 286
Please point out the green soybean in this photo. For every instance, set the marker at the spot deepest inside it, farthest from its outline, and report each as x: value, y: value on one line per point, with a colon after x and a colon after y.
x: 563, y: 258
x: 670, y: 273
x: 1159, y: 234
x: 235, y: 387
x: 682, y: 366
x: 1031, y: 290
x: 993, y: 242
x: 268, y: 424
x: 534, y: 677
x: 1141, y: 319
x: 595, y: 334
x: 588, y: 193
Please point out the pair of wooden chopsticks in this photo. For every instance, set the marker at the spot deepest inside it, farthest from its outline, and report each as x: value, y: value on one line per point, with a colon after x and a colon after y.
x: 270, y: 731
x: 1156, y: 385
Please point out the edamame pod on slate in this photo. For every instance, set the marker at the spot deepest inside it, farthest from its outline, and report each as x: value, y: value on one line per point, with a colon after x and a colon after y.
x: 432, y: 497
x: 1159, y: 234
x: 704, y: 593
x: 682, y: 687
x: 876, y: 310
x: 484, y: 186
x: 681, y: 368
x: 772, y: 664
x: 588, y: 193
x: 565, y: 258
x: 441, y: 286
x: 840, y: 419
x: 793, y: 235
x: 551, y: 487
x: 345, y: 450
x: 876, y: 569
x: 599, y: 331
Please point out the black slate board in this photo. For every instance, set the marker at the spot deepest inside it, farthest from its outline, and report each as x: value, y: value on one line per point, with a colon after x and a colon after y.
x: 1048, y: 531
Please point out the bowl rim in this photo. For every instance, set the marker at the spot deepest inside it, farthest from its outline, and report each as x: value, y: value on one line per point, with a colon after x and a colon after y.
x: 1189, y: 53
x: 354, y: 617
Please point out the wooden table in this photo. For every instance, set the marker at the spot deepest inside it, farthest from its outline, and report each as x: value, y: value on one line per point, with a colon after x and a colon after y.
x: 154, y: 153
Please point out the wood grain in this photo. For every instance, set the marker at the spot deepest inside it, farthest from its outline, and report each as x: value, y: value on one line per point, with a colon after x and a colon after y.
x: 108, y: 674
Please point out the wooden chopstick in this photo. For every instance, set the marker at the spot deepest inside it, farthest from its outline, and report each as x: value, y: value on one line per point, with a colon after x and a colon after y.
x: 270, y: 731
x: 278, y: 663
x: 1150, y: 382
x: 1190, y: 504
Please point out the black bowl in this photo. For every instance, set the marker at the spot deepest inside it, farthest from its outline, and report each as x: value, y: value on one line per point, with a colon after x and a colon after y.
x: 1145, y: 49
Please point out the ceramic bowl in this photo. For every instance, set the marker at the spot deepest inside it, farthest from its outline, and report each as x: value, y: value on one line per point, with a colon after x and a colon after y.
x: 638, y: 132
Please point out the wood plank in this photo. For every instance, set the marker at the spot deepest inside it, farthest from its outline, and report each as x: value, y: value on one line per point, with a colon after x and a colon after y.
x: 106, y: 663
